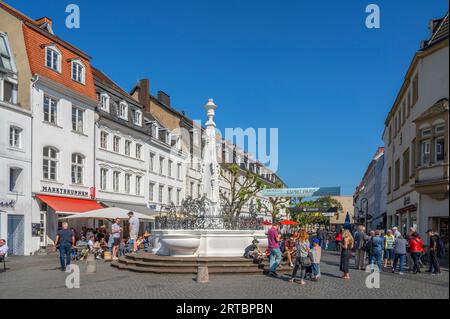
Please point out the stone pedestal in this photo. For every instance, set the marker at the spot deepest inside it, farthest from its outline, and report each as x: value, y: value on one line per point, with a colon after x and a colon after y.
x: 202, y: 274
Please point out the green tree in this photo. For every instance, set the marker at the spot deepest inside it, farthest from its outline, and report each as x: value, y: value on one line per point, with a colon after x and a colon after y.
x: 315, y: 218
x: 243, y: 186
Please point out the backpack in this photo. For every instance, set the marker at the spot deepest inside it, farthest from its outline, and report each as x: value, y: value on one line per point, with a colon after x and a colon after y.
x: 283, y: 246
x: 370, y: 246
x: 440, y: 246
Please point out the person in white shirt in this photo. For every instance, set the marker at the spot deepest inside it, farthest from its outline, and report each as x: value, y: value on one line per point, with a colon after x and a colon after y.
x: 134, y: 230
x: 3, y: 249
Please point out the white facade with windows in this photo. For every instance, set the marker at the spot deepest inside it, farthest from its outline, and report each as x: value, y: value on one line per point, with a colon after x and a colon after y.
x: 15, y: 178
x: 139, y: 164
x: 15, y: 158
x: 415, y: 140
x: 63, y: 150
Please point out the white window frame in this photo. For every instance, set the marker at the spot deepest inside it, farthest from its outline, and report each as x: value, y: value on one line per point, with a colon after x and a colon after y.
x: 80, y: 74
x: 138, y: 117
x: 138, y: 149
x: 151, y: 192
x: 116, y: 143
x: 77, y: 120
x: 127, y: 183
x: 425, y: 152
x: 138, y: 182
x: 116, y: 181
x: 442, y: 148
x: 123, y: 110
x: 54, y: 49
x: 152, y: 162
x: 104, y: 102
x: 50, y: 160
x: 160, y: 193
x: 161, y: 165
x: 18, y: 178
x: 15, y: 137
x: 77, y: 169
x: 128, y: 144
x: 103, y: 179
x: 52, y: 110
x: 104, y: 140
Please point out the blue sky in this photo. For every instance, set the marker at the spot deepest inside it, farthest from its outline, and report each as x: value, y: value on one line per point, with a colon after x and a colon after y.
x: 310, y: 68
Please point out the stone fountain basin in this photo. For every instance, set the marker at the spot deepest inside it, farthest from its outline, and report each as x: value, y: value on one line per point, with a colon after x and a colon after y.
x: 205, y: 243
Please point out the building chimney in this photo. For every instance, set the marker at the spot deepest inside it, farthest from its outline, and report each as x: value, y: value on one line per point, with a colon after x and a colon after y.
x: 164, y: 98
x: 144, y: 93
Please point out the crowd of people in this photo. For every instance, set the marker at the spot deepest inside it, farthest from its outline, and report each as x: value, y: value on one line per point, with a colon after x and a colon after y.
x: 379, y: 250
x: 100, y: 242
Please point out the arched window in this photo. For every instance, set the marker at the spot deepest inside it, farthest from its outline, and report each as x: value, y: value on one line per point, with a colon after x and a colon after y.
x: 78, y: 71
x: 77, y: 168
x: 50, y: 163
x: 53, y: 58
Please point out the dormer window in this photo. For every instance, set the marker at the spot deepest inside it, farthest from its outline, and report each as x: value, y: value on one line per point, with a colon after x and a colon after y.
x: 104, y: 102
x: 78, y: 71
x: 138, y: 118
x: 53, y: 58
x: 123, y: 110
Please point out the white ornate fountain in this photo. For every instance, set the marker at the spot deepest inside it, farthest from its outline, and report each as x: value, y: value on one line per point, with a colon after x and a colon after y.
x: 208, y: 237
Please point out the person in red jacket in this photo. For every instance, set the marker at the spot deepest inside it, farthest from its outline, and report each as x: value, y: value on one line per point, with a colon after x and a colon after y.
x: 416, y: 249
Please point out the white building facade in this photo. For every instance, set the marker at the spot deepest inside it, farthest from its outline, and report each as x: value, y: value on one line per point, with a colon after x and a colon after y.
x: 416, y: 142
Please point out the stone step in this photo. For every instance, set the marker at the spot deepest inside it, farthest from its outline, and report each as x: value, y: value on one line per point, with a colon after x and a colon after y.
x: 185, y: 264
x: 186, y: 270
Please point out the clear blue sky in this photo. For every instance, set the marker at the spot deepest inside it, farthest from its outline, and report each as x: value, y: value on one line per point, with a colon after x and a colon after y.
x: 310, y: 68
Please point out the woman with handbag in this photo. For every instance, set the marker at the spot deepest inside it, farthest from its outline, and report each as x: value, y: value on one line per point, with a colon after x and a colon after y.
x: 347, y: 246
x: 303, y: 259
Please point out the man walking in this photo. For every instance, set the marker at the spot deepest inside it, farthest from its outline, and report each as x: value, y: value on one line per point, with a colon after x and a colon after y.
x: 134, y: 230
x: 322, y: 236
x: 65, y: 239
x: 360, y: 246
x: 116, y: 234
x: 274, y: 238
x: 435, y: 268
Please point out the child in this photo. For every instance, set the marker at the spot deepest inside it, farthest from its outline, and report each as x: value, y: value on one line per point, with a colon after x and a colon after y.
x: 316, y: 253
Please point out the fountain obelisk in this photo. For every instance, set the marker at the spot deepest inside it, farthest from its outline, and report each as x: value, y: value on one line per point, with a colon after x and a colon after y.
x: 211, y: 169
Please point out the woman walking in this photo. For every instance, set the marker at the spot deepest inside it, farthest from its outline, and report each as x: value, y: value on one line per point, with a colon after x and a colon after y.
x: 302, y: 259
x: 347, y: 246
x: 416, y: 248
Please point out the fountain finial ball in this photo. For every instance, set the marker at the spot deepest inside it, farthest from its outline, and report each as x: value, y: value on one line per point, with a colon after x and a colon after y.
x: 210, y: 105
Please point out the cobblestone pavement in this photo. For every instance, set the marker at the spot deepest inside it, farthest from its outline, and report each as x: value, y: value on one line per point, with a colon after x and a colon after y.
x: 39, y: 277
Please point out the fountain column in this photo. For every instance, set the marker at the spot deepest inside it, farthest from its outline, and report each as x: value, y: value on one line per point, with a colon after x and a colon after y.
x: 211, y: 168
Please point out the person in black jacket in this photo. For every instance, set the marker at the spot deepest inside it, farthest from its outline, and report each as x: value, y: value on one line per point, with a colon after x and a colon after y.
x: 433, y: 252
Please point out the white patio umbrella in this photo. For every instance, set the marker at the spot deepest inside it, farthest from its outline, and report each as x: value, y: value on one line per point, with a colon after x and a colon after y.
x: 108, y: 213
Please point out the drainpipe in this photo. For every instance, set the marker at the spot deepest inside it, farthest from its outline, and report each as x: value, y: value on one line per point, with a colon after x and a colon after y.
x: 34, y: 80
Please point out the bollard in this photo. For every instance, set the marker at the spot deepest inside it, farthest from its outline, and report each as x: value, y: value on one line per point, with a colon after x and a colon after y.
x: 202, y: 274
x: 91, y: 264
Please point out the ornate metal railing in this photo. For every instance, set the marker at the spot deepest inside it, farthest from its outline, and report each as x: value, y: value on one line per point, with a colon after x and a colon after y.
x: 193, y: 214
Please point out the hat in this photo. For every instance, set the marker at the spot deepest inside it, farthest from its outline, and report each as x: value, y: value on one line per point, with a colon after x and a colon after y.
x: 316, y: 241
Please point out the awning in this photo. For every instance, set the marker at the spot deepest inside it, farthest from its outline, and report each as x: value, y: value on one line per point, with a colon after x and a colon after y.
x: 68, y: 205
x: 143, y: 209
x: 109, y: 213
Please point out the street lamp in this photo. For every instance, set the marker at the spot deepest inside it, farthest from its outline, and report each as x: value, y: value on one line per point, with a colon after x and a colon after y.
x: 366, y: 212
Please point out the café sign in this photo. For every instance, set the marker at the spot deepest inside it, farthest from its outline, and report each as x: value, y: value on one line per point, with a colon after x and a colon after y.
x: 302, y: 192
x: 64, y: 191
